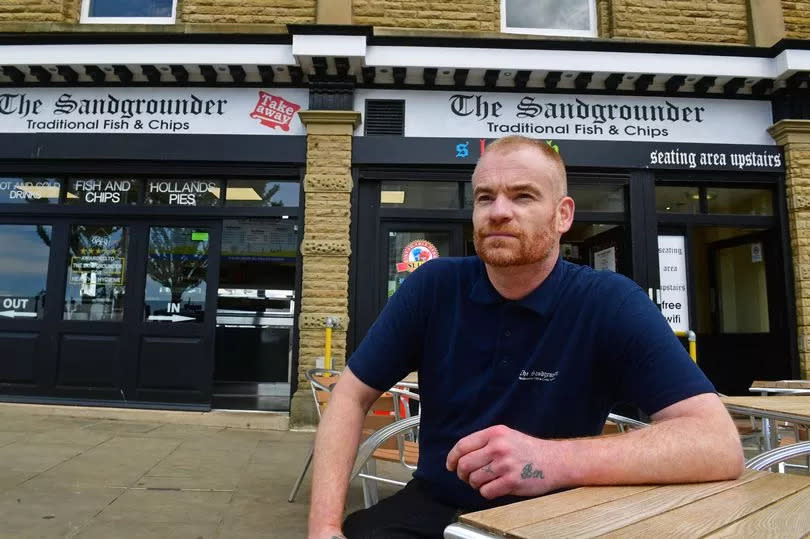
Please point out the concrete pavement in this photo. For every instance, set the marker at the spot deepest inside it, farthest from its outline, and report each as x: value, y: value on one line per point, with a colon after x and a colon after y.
x: 100, y: 473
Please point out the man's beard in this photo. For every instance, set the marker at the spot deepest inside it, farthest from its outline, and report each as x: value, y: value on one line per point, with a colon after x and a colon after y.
x: 517, y: 251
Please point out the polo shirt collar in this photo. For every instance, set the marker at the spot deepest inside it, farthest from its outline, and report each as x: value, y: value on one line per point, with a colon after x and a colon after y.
x: 541, y: 300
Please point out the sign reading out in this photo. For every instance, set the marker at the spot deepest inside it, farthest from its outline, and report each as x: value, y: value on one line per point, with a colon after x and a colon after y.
x: 672, y: 270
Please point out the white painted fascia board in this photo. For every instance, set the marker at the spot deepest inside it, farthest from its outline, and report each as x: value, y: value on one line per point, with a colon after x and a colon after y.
x: 791, y: 60
x: 587, y: 61
x: 149, y: 53
x: 329, y: 46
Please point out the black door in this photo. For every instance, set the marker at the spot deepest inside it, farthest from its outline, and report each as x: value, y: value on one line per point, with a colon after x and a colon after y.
x: 128, y: 311
x: 399, y: 250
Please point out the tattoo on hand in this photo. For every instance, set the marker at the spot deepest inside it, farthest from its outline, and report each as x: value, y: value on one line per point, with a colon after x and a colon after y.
x: 530, y: 473
x: 488, y: 469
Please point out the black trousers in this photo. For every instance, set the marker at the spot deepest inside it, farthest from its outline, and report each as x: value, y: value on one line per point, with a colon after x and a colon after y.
x: 410, y: 513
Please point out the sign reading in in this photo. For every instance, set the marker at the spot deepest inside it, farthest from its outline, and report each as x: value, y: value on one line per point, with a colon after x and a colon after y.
x: 580, y: 117
x: 152, y: 110
x: 674, y: 293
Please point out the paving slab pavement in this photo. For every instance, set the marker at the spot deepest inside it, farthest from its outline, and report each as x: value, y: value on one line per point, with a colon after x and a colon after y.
x: 78, y: 473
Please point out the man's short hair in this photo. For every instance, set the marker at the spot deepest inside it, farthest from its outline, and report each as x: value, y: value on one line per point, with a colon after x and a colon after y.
x: 515, y: 142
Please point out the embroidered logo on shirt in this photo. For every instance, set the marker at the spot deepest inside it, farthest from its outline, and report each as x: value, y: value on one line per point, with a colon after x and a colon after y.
x: 538, y: 376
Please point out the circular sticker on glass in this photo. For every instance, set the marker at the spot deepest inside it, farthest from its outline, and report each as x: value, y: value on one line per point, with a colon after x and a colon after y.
x: 417, y: 253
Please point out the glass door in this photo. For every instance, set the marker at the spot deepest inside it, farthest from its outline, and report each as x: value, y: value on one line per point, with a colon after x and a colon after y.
x: 407, y: 246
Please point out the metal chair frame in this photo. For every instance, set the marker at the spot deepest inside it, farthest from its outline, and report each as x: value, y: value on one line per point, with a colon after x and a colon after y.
x: 779, y: 455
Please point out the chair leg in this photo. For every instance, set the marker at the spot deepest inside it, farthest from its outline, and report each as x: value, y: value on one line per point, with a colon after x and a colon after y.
x: 370, y: 494
x: 298, y: 481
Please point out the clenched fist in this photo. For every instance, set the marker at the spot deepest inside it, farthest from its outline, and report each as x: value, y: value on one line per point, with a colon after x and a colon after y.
x: 498, y: 461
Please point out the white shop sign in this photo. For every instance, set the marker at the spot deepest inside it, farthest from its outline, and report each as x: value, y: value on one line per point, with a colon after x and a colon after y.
x: 674, y: 292
x: 579, y: 117
x: 222, y: 111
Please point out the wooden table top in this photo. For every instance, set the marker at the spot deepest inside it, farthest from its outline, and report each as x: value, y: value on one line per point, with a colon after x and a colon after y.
x: 780, y: 384
x: 758, y: 504
x: 793, y: 408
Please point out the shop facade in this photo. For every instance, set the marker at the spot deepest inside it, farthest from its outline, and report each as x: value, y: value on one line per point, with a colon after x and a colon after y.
x: 153, y: 269
x: 177, y: 230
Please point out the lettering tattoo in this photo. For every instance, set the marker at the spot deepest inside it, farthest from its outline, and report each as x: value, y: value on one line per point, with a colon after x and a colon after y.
x: 530, y: 473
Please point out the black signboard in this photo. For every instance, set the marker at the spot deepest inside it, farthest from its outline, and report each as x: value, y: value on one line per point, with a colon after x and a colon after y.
x: 378, y: 150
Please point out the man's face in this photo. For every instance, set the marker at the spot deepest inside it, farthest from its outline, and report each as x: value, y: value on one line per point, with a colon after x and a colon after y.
x: 519, y: 211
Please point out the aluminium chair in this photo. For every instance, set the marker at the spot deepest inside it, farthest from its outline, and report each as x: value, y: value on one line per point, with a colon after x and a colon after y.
x: 321, y: 382
x: 779, y: 455
x: 623, y: 423
x: 390, y: 407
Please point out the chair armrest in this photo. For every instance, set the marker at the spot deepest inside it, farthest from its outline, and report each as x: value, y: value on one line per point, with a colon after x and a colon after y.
x: 765, y: 460
x: 463, y: 531
x: 374, y: 441
x: 626, y: 421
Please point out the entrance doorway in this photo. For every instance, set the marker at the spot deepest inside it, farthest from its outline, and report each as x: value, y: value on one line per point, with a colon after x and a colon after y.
x: 129, y: 314
x: 722, y: 275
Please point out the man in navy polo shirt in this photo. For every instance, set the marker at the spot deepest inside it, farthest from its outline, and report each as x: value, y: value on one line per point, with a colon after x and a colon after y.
x: 521, y: 356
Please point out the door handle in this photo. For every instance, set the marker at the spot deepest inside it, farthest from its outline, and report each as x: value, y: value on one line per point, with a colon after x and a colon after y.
x: 650, y: 293
x: 658, y: 296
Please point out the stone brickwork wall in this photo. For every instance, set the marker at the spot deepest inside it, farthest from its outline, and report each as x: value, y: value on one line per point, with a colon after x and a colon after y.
x: 795, y: 136
x: 470, y: 15
x: 797, y: 18
x: 325, y: 250
x: 59, y: 11
x: 246, y: 11
x: 707, y: 21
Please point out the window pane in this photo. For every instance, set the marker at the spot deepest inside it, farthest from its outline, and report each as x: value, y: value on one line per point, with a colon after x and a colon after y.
x: 608, y: 198
x: 24, y: 251
x: 549, y: 14
x: 29, y: 190
x: 96, y: 276
x: 262, y: 193
x: 176, y: 269
x: 102, y: 191
x: 740, y: 201
x: 183, y: 192
x: 599, y: 245
x: 416, y: 194
x: 130, y: 8
x: 677, y: 199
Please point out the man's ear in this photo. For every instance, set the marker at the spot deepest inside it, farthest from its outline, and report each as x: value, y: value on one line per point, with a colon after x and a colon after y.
x: 565, y: 214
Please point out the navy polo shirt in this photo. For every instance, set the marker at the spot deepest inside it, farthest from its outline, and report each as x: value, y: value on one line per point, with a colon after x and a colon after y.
x: 550, y: 365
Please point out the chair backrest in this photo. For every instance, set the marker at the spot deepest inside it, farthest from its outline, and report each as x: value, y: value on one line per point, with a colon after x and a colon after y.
x: 383, y: 412
x: 321, y: 381
x: 765, y: 460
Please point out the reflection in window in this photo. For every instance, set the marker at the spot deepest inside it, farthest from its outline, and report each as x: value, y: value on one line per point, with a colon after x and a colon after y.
x: 24, y: 251
x: 29, y: 190
x: 257, y: 269
x: 554, y: 17
x: 601, y: 246
x: 176, y: 269
x: 130, y: 8
x: 420, y: 194
x: 102, y: 191
x: 262, y: 193
x: 96, y: 272
x: 592, y: 197
x: 739, y: 201
x: 677, y: 199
